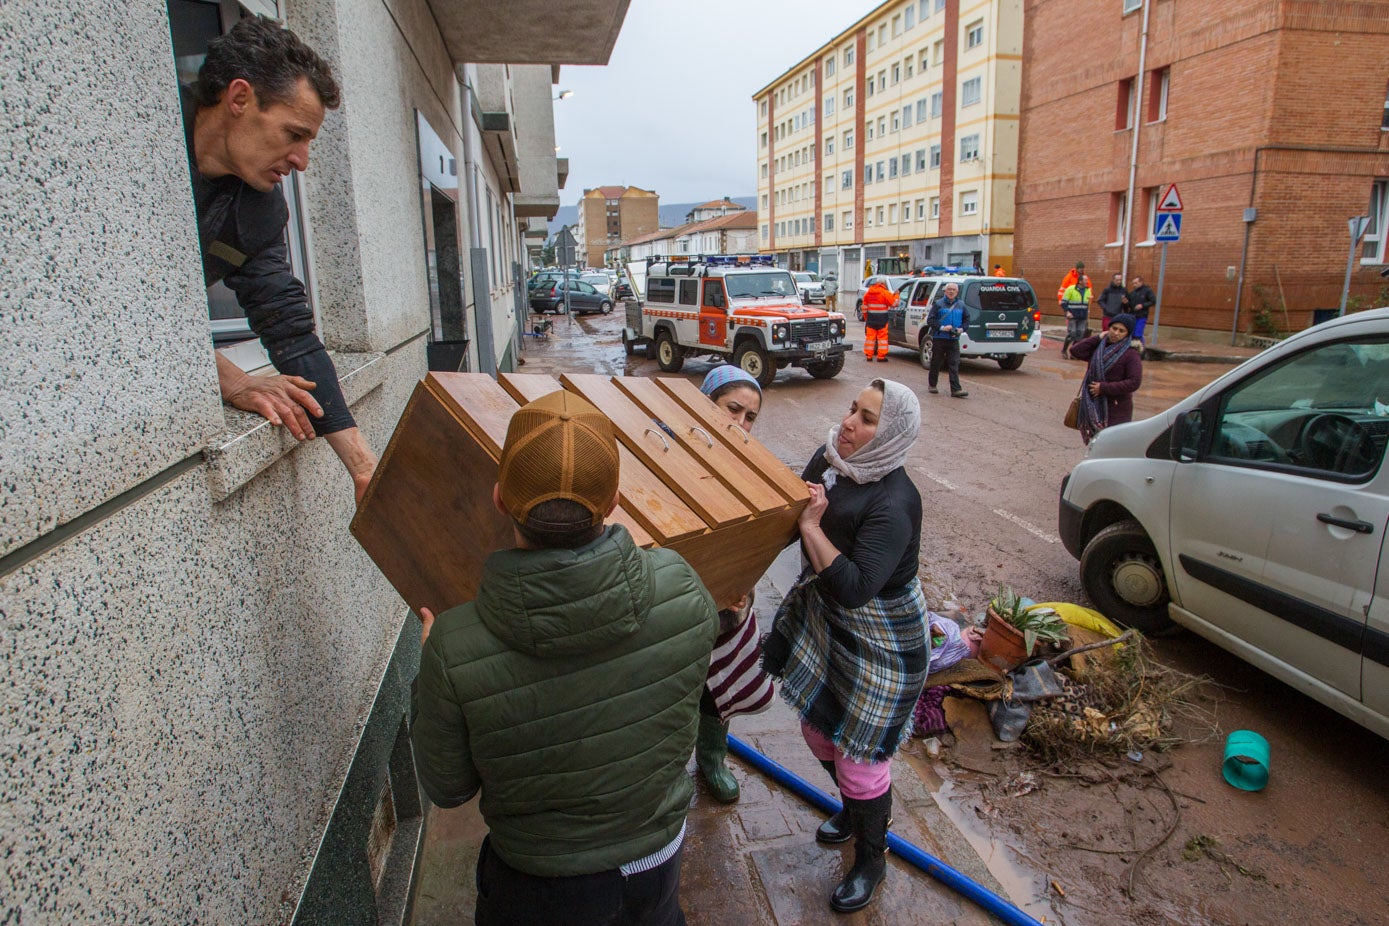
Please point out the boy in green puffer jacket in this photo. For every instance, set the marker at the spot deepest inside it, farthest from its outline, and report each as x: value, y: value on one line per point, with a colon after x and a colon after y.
x: 568, y: 691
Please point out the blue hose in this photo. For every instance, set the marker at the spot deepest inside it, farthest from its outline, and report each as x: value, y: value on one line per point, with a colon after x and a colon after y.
x: 991, y: 902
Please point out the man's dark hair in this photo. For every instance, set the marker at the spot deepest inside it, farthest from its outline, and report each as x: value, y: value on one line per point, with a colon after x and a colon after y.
x: 268, y: 57
x: 559, y: 524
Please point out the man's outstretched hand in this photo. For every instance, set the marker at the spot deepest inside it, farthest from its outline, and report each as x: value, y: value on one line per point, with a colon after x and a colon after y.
x: 283, y: 400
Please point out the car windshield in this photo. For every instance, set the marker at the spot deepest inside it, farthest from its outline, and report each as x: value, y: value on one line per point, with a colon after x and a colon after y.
x: 771, y: 283
x: 595, y: 278
x: 803, y: 278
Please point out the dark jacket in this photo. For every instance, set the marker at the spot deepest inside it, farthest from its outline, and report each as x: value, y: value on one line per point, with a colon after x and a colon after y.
x: 1120, y: 382
x: 877, y: 529
x: 1111, y: 301
x: 568, y: 692
x: 941, y: 314
x: 1141, y: 300
x: 242, y: 234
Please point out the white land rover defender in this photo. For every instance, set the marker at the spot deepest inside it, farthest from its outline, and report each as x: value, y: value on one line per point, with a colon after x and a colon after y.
x: 741, y: 308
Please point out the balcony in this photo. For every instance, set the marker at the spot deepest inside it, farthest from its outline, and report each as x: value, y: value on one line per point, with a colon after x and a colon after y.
x: 529, y: 31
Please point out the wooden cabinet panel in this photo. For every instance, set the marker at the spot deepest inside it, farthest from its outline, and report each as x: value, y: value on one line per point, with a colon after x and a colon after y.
x: 684, y: 474
x: 759, y: 458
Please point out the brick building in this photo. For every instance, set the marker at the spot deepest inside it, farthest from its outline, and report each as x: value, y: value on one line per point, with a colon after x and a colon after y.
x: 610, y: 214
x: 897, y: 138
x: 1270, y: 116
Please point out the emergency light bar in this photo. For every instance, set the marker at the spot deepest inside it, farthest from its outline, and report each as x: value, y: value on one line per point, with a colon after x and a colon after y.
x: 740, y: 260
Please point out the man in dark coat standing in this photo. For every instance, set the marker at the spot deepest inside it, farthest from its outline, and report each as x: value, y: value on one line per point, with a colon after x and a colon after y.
x: 1141, y: 301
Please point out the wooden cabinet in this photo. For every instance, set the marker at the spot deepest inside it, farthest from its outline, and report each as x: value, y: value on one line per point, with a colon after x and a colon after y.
x: 690, y: 480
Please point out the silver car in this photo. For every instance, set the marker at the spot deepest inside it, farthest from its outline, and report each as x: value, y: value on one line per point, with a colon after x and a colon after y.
x: 810, y: 287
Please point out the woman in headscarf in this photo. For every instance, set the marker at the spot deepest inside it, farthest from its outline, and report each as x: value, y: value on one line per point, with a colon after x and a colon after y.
x: 1113, y: 376
x: 736, y: 683
x: 849, y: 642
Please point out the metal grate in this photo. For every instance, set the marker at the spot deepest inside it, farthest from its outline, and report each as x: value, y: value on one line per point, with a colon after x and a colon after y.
x: 811, y: 331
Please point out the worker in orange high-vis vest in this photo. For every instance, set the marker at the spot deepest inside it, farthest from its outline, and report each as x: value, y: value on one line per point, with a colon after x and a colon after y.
x: 876, y: 303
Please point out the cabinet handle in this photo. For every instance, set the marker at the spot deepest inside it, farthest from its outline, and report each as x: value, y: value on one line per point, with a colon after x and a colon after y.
x: 739, y: 431
x: 704, y: 434
x: 1360, y: 527
x: 665, y: 444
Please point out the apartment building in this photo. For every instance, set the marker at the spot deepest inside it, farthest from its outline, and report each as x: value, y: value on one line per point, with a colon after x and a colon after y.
x: 895, y: 143
x: 612, y: 214
x: 1271, y: 117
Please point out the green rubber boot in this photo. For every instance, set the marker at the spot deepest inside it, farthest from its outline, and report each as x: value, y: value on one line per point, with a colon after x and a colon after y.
x: 711, y: 748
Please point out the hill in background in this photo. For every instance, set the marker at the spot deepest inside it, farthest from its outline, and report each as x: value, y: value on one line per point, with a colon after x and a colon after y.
x: 672, y: 214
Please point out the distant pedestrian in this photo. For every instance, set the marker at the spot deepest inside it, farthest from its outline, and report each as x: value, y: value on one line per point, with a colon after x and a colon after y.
x: 1075, y: 302
x: 831, y: 287
x: 1141, y: 301
x: 1113, y: 300
x: 945, y: 322
x: 849, y: 640
x: 1072, y: 277
x: 998, y: 270
x: 567, y: 692
x: 876, y: 303
x: 1114, y: 375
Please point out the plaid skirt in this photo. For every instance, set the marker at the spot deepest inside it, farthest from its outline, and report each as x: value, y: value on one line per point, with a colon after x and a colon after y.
x: 853, y: 674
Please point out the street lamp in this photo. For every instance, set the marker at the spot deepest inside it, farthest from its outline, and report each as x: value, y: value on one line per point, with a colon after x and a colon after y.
x: 564, y: 94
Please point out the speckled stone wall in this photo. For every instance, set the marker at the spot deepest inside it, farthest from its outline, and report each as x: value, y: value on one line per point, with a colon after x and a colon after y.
x: 105, y: 359
x: 189, y: 667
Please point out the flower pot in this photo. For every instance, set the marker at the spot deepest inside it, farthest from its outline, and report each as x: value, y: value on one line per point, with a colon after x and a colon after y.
x: 1003, y: 648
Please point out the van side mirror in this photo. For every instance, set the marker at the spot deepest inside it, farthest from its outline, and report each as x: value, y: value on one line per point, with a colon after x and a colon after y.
x: 1185, y: 443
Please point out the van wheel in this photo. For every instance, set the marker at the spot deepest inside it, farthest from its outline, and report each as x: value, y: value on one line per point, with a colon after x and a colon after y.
x: 924, y: 350
x: 1012, y: 361
x: 826, y: 369
x: 756, y: 362
x: 1122, y: 574
x: 669, y: 355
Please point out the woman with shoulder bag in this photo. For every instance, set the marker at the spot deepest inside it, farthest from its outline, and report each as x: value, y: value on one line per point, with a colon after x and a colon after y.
x: 1113, y: 376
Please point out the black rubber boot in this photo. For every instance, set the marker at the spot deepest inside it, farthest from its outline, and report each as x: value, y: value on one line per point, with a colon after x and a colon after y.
x: 870, y: 820
x: 836, y: 829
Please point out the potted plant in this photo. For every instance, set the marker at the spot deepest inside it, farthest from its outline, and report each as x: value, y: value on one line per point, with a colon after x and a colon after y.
x: 1013, y: 629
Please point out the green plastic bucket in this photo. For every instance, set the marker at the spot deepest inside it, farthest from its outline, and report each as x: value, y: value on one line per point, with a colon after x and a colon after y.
x: 1246, y: 760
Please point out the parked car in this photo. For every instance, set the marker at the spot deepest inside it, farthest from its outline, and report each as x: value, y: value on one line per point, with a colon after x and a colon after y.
x: 583, y: 298
x: 621, y: 290
x: 1254, y: 513
x: 548, y: 278
x: 893, y: 283
x: 599, y: 281
x: 810, y: 287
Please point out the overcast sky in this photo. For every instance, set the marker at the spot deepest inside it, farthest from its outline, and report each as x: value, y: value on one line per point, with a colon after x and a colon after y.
x: 672, y: 111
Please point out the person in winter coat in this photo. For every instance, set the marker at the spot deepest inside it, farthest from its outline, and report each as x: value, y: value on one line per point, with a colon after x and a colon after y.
x: 1113, y: 300
x: 946, y: 322
x: 736, y: 683
x: 1075, y: 303
x: 568, y: 691
x: 876, y: 303
x: 1072, y: 277
x: 849, y: 640
x: 1141, y: 300
x: 1114, y: 375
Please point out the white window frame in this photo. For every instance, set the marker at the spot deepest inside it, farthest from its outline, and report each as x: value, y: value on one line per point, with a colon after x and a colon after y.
x: 1373, y: 250
x: 1131, y: 6
x: 978, y: 91
x: 829, y: 221
x: 1120, y: 231
x: 969, y: 202
x: 934, y: 156
x: 935, y: 208
x: 1164, y: 82
x: 846, y: 221
x: 965, y: 153
x: 829, y: 65
x: 846, y: 180
x: 974, y: 34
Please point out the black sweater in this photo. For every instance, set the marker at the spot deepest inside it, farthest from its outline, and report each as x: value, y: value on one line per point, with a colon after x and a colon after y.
x: 876, y: 528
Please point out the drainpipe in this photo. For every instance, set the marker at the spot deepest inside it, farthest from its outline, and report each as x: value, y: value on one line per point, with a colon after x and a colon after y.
x: 1137, y: 103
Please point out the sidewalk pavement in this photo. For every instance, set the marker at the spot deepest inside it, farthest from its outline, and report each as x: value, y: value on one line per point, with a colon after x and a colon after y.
x: 756, y: 862
x: 1174, y: 350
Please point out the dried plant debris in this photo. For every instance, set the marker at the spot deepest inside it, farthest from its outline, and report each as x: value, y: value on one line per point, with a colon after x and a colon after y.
x: 1202, y: 846
x: 1128, y: 704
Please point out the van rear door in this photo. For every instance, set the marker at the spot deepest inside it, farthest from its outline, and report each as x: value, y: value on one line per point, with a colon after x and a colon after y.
x: 1000, y: 310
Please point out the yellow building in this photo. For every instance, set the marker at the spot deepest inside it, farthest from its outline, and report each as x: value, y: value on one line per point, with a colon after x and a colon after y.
x: 896, y: 139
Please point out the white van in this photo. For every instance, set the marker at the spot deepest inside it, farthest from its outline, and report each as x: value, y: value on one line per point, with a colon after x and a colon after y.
x: 1254, y: 512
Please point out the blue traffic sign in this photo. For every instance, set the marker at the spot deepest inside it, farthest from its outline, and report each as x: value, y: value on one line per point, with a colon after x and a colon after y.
x: 1167, y: 226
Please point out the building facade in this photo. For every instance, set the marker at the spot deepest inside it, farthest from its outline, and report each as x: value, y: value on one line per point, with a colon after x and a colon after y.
x: 720, y: 231
x: 609, y: 215
x: 1271, y: 117
x: 207, y: 680
x: 895, y: 139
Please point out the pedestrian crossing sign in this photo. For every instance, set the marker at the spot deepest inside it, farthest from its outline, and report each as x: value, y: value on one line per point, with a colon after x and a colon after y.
x: 1167, y: 226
